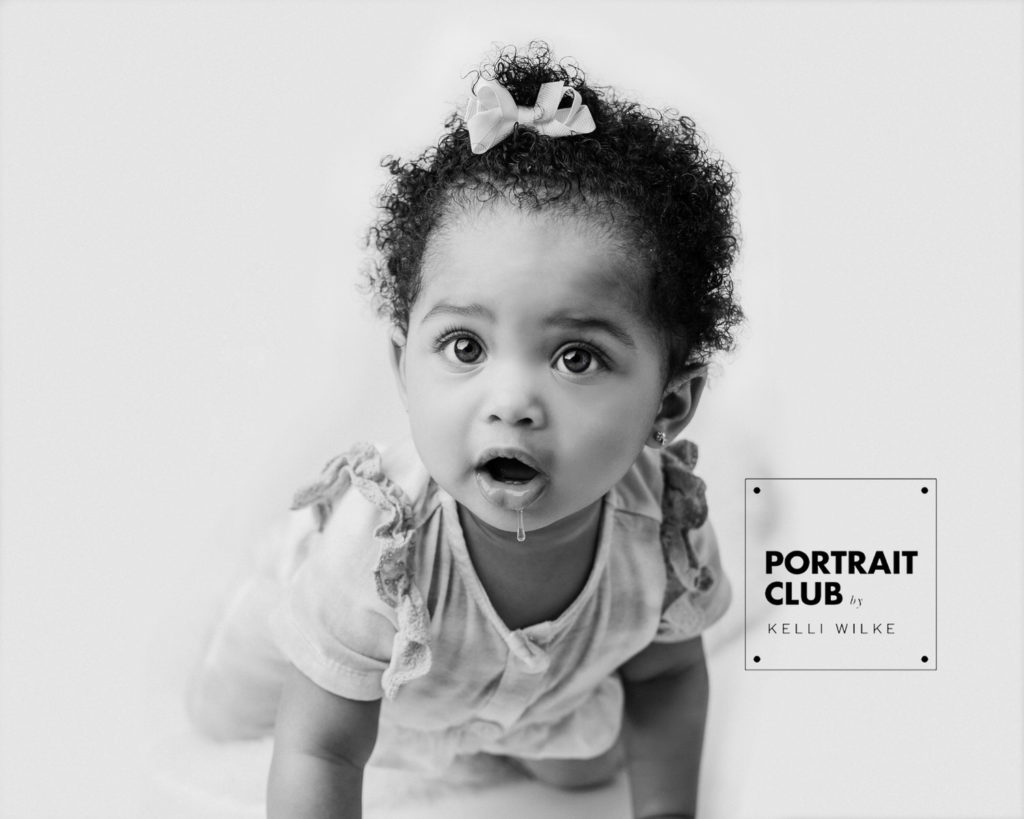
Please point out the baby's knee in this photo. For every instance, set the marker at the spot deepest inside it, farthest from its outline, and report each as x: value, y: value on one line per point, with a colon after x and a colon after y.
x: 236, y: 684
x: 221, y: 715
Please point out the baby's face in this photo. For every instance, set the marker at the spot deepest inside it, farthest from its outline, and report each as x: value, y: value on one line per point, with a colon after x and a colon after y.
x: 531, y: 376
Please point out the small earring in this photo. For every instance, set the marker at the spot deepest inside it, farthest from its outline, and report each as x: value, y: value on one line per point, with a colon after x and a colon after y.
x: 659, y: 437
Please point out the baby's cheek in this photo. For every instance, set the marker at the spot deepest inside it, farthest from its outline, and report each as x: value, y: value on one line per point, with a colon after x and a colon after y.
x: 625, y: 416
x: 610, y: 450
x: 430, y: 395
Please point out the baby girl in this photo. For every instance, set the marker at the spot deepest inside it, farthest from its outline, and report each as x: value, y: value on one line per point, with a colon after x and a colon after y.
x: 529, y: 575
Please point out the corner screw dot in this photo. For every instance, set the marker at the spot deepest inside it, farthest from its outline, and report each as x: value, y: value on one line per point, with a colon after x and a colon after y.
x: 924, y: 659
x: 924, y: 490
x: 757, y: 658
x: 757, y: 490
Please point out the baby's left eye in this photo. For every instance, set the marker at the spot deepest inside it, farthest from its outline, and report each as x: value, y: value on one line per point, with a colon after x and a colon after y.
x: 577, y: 361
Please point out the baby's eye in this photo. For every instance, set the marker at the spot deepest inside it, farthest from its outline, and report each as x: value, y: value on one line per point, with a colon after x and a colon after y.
x: 464, y: 349
x: 577, y: 361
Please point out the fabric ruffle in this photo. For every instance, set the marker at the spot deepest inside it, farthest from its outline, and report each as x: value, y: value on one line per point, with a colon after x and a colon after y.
x: 361, y: 467
x: 684, y: 508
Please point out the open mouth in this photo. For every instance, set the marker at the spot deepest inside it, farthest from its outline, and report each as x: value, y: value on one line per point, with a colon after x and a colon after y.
x: 510, y: 478
x: 510, y: 470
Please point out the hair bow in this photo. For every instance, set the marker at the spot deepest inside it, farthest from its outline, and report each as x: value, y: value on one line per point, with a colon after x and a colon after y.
x: 491, y: 114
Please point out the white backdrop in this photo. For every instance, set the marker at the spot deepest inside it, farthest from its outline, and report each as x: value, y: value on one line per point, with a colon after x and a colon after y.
x: 183, y: 191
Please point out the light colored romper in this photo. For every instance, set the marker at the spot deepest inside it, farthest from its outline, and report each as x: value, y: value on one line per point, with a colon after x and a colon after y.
x: 384, y: 602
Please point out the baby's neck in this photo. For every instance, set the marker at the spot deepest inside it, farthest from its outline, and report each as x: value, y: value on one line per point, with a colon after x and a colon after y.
x: 536, y: 580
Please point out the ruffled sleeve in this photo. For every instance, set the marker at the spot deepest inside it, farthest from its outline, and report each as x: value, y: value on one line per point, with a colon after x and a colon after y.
x: 697, y: 592
x: 354, y: 621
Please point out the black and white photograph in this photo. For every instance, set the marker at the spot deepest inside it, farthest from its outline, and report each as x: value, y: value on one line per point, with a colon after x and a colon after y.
x: 606, y: 410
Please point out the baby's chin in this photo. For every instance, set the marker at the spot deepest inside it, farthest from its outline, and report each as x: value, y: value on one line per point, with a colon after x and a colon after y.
x: 496, y: 517
x: 544, y: 514
x: 498, y: 506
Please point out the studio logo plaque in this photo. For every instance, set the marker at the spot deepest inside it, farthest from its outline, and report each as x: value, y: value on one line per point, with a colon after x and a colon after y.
x: 840, y: 573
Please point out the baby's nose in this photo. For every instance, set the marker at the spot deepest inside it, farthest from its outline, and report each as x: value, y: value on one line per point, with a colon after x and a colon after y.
x: 514, y: 399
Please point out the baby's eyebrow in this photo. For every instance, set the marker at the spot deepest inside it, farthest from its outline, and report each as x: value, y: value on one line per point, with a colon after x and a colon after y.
x: 472, y: 310
x: 569, y: 322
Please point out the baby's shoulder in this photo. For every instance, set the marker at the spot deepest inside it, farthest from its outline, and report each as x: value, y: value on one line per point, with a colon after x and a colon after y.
x: 393, y: 482
x: 364, y: 512
x: 353, y: 595
x: 661, y: 483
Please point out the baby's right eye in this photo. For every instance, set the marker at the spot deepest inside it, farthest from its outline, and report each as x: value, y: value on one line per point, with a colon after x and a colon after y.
x: 462, y: 349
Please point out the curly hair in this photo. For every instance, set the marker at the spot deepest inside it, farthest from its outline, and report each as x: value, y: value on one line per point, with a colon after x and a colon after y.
x: 650, y: 170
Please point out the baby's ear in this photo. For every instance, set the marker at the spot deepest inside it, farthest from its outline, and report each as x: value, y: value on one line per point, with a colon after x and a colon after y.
x: 679, y: 402
x: 398, y: 341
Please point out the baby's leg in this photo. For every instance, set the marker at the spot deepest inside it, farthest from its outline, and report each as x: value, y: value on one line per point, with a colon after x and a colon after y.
x: 235, y: 689
x: 237, y: 683
x: 577, y: 773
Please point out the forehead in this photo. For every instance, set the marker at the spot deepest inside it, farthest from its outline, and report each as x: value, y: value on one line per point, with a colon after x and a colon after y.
x: 546, y: 259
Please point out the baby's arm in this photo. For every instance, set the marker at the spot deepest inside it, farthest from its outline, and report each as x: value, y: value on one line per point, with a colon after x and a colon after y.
x: 666, y: 704
x: 321, y: 744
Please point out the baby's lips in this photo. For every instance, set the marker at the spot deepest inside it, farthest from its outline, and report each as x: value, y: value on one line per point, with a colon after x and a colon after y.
x: 510, y: 453
x: 511, y: 496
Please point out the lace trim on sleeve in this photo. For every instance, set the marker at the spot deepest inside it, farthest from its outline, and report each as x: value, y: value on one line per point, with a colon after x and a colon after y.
x: 361, y: 467
x: 684, y: 508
